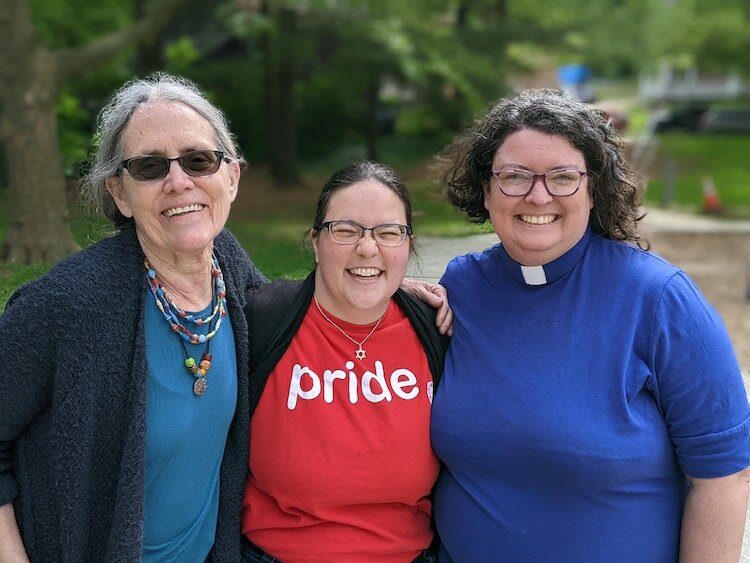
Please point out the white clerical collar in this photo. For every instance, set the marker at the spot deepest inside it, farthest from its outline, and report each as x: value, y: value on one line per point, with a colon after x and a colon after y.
x: 550, y: 272
x: 534, y: 275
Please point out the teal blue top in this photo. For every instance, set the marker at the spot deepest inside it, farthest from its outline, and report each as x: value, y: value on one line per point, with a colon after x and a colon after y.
x: 185, y: 438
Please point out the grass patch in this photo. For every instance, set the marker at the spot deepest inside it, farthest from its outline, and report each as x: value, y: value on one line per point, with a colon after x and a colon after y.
x: 434, y: 215
x: 275, y: 247
x: 721, y: 157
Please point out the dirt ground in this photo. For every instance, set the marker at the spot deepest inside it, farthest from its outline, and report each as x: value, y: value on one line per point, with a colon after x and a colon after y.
x: 720, y: 265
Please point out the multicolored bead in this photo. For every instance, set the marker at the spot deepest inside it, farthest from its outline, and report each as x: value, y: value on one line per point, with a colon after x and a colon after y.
x: 175, y: 316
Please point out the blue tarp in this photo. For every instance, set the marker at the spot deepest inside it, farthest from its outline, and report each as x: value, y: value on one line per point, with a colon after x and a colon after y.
x: 573, y: 74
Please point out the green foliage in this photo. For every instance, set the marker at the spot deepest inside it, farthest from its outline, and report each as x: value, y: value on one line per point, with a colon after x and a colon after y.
x: 713, y: 36
x: 243, y: 23
x: 73, y: 123
x: 624, y: 37
x: 329, y: 114
x: 68, y: 23
x: 71, y: 23
x: 234, y: 83
x: 436, y: 73
x: 181, y: 54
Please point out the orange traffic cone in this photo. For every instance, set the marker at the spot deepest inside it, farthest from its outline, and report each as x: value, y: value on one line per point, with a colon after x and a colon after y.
x: 711, y: 201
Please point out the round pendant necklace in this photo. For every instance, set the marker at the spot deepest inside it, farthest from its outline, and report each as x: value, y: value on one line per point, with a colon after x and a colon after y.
x: 198, y: 370
x: 359, y: 353
x: 177, y: 318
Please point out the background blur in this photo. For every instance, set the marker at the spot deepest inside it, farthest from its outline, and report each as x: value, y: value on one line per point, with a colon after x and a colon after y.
x: 311, y: 85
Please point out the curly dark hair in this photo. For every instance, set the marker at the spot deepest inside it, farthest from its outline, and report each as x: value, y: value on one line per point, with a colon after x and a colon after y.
x: 613, y: 185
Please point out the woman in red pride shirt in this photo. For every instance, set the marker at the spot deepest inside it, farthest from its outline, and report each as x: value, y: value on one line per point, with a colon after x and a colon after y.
x: 343, y: 368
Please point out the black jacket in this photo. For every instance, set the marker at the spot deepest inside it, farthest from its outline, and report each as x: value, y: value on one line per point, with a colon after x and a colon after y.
x: 275, y: 312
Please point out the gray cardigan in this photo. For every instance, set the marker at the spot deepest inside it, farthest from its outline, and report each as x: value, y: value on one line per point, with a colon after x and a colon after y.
x: 72, y: 405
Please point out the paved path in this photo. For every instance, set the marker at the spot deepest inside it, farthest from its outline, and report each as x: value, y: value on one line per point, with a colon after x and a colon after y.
x: 435, y: 253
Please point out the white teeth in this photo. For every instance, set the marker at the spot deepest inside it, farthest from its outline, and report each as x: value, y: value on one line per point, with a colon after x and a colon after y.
x: 180, y: 210
x: 365, y: 272
x: 537, y: 219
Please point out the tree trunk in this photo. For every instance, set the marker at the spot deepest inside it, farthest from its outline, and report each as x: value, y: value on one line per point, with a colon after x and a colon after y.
x: 462, y: 12
x: 372, y: 93
x: 38, y: 225
x: 148, y: 56
x: 502, y: 9
x: 30, y: 76
x: 280, y: 76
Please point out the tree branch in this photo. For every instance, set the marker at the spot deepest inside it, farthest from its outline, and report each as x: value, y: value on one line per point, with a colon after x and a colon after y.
x: 82, y: 59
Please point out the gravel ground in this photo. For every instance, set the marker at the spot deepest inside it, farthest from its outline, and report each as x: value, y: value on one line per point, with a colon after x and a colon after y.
x: 720, y: 265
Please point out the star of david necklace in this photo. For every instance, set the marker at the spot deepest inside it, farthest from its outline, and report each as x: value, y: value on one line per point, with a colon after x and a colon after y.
x: 359, y: 353
x: 175, y: 317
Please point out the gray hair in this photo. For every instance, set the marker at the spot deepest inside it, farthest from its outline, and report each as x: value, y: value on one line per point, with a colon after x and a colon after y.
x: 113, y: 120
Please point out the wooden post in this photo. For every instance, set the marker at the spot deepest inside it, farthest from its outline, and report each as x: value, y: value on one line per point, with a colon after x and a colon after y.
x: 667, y: 193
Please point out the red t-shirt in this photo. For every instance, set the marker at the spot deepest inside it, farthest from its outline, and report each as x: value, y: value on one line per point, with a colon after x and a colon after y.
x: 341, y: 463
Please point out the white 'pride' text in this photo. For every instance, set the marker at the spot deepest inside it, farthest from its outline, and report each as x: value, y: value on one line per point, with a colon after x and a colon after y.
x: 401, y: 383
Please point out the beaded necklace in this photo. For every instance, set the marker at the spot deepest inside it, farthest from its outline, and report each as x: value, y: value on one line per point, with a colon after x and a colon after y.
x: 176, y: 316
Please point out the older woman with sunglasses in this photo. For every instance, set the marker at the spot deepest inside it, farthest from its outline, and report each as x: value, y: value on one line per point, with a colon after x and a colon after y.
x: 591, y: 407
x: 121, y: 436
x: 343, y: 370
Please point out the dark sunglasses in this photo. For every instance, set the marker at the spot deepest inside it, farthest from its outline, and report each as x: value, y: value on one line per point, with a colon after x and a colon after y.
x: 153, y: 167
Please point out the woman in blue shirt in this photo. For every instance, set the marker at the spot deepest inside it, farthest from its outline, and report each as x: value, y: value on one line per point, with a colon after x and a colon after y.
x: 591, y: 406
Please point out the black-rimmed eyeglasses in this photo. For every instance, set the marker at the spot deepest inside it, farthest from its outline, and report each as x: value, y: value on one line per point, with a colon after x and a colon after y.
x: 349, y: 232
x: 519, y: 183
x: 155, y: 167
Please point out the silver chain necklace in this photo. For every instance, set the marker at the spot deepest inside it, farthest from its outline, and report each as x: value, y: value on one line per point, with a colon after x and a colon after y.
x: 359, y: 353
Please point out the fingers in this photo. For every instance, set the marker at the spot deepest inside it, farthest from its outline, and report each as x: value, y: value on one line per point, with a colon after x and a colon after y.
x: 436, y: 296
x: 444, y: 317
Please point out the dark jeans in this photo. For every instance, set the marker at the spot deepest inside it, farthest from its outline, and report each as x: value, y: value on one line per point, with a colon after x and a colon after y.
x: 251, y: 553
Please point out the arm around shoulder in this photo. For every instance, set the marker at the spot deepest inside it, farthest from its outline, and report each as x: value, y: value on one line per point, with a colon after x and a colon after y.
x: 436, y: 296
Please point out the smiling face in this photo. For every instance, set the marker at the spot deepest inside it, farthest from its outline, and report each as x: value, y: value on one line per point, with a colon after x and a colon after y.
x: 538, y: 228
x: 176, y: 217
x: 355, y: 281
